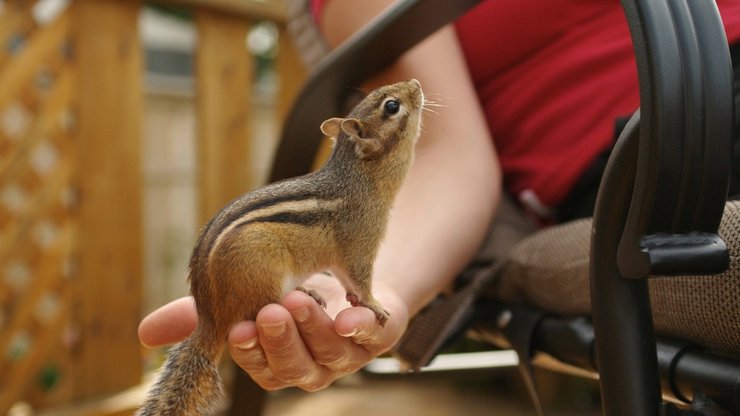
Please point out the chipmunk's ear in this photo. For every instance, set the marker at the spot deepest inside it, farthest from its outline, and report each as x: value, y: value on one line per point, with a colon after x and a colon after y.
x: 364, y: 147
x: 331, y: 127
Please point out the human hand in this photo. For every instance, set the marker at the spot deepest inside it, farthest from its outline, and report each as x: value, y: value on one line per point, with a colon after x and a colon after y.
x: 296, y: 342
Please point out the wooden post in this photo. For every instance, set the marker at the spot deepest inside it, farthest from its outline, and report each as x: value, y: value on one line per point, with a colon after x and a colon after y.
x: 109, y: 66
x: 292, y: 73
x: 224, y: 77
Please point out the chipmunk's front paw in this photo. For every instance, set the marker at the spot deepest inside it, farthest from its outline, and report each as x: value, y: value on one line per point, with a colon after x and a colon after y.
x: 314, y: 294
x: 380, y: 313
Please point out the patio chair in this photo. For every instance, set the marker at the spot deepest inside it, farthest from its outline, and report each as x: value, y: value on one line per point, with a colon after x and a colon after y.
x: 584, y: 296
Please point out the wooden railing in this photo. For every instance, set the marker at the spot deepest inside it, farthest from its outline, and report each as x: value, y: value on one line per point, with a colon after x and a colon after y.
x: 70, y: 182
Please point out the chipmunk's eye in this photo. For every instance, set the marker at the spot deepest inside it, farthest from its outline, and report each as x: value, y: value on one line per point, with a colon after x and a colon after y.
x: 391, y: 107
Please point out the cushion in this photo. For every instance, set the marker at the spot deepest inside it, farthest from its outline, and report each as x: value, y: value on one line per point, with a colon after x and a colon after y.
x: 549, y: 270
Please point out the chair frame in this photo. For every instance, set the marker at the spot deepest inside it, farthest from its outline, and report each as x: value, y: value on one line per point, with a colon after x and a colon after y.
x: 659, y: 204
x: 646, y: 221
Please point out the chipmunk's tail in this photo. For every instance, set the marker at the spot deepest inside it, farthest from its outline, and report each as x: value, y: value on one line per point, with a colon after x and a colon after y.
x: 189, y: 383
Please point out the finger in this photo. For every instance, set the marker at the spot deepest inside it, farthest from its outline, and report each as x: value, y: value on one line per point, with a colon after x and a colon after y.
x: 361, y: 325
x: 247, y: 353
x: 169, y: 324
x: 328, y: 348
x: 289, y: 359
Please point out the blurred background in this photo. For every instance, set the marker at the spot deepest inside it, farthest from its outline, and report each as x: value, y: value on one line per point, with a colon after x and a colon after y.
x: 124, y: 125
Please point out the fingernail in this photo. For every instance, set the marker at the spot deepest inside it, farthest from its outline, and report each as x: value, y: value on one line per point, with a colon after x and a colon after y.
x: 351, y: 333
x: 273, y: 330
x: 301, y: 314
x: 247, y: 345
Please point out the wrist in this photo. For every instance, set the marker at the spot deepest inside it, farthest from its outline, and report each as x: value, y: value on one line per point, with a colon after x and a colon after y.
x: 392, y: 301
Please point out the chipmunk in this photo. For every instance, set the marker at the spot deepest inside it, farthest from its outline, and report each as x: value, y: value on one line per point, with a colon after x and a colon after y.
x: 267, y: 242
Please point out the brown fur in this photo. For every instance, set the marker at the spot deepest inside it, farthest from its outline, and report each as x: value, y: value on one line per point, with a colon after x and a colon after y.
x: 269, y: 240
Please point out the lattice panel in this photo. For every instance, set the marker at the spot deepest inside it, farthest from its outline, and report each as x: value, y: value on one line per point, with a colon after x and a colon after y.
x: 37, y: 208
x: 17, y: 24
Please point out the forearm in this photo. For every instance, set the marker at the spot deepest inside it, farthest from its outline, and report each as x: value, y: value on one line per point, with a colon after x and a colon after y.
x: 446, y: 204
x: 438, y: 222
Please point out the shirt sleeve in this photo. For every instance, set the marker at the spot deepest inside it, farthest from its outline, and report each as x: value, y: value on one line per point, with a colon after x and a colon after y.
x: 316, y: 7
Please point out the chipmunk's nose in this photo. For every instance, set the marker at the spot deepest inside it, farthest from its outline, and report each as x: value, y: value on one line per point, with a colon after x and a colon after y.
x: 418, y: 94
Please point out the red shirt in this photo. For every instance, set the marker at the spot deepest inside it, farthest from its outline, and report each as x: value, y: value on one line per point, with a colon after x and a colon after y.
x: 552, y: 77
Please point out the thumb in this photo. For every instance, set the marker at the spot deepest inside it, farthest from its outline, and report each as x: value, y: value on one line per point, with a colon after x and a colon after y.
x: 169, y: 324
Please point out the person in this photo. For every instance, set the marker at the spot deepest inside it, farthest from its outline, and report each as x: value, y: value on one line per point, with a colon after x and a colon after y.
x: 531, y: 90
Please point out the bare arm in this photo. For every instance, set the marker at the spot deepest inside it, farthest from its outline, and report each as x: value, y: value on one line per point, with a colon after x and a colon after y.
x: 451, y: 192
x: 437, y: 224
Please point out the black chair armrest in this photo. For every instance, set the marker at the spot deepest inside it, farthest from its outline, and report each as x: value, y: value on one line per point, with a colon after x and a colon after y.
x: 663, y: 190
x: 685, y: 145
